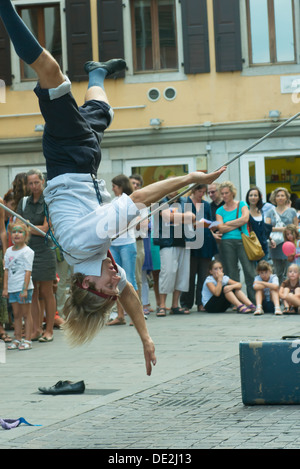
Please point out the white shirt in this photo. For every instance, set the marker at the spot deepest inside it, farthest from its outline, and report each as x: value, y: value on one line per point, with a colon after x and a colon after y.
x: 206, y: 293
x: 82, y: 227
x: 17, y: 262
x: 273, y: 279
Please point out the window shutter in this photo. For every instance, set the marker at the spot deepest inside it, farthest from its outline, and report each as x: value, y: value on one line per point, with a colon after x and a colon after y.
x: 227, y: 35
x: 5, y: 65
x: 79, y: 38
x: 195, y: 36
x: 110, y: 30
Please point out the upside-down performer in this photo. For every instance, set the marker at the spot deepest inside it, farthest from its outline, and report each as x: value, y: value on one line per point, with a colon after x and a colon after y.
x: 71, y: 146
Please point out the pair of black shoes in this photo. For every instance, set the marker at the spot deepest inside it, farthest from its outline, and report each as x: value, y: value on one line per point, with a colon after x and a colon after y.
x: 64, y: 387
x: 111, y: 66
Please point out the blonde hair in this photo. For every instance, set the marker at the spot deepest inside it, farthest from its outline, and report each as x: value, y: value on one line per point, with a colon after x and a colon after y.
x: 294, y: 265
x: 230, y: 186
x: 275, y: 192
x: 23, y: 225
x: 293, y: 229
x: 85, y: 312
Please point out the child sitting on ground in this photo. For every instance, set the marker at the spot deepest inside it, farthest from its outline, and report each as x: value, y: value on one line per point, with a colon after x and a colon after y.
x: 289, y: 290
x: 266, y: 286
x: 219, y: 292
x: 291, y: 234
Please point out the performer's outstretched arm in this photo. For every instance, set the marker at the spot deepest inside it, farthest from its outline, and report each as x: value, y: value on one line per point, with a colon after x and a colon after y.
x: 154, y: 192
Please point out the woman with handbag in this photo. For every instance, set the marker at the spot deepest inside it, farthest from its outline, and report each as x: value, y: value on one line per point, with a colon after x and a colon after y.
x: 279, y: 217
x: 233, y: 217
x: 257, y: 220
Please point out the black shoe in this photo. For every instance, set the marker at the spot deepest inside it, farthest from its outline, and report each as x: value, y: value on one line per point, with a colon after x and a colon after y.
x: 111, y: 66
x: 65, y: 387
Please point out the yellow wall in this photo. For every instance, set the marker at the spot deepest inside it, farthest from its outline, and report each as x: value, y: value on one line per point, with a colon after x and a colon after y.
x: 215, y: 97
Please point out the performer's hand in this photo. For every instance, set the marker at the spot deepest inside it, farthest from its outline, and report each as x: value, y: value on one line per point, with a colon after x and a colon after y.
x: 207, y: 178
x: 149, y: 353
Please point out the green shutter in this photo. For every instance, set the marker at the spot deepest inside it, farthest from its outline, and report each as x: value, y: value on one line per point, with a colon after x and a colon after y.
x: 195, y: 36
x: 79, y: 37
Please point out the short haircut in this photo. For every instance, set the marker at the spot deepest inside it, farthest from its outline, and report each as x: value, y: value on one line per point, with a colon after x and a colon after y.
x: 138, y: 177
x: 230, y: 186
x: 264, y: 266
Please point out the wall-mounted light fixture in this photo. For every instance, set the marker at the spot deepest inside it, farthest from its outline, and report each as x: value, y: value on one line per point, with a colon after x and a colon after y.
x: 274, y: 115
x: 156, y: 122
x: 39, y: 128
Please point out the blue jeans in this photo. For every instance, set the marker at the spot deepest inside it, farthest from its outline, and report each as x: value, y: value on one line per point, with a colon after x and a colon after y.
x: 125, y: 256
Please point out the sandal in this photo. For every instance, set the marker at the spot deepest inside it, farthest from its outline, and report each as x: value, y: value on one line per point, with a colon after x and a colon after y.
x: 243, y: 309
x: 5, y: 337
x: 161, y: 312
x: 25, y: 345
x: 278, y: 311
x: 178, y: 310
x: 252, y: 307
x: 14, y: 345
x: 45, y: 339
x: 117, y: 322
x: 259, y: 311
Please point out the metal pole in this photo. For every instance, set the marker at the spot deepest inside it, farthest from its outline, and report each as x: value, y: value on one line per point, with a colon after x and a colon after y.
x: 22, y: 219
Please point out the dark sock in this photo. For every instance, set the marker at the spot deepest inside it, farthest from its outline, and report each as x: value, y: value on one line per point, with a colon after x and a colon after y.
x: 97, y: 77
x: 25, y: 44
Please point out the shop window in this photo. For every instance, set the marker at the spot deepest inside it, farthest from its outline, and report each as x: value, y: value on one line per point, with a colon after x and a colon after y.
x: 271, y: 32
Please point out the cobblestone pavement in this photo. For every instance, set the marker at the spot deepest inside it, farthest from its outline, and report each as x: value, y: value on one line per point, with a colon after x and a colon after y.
x: 191, y: 401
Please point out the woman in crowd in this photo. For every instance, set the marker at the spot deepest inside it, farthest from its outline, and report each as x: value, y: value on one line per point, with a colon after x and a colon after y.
x: 257, y: 220
x: 233, y: 217
x: 123, y: 248
x: 279, y: 217
x: 201, y: 257
x: 44, y: 264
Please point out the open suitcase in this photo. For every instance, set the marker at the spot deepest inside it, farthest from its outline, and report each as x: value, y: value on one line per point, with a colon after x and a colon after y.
x: 270, y: 371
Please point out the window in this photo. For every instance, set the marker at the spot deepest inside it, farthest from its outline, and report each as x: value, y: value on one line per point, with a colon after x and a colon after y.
x: 154, y: 35
x: 271, y: 31
x: 44, y: 22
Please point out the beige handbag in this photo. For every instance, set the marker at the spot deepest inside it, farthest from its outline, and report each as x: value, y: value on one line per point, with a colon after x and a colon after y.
x: 251, y: 243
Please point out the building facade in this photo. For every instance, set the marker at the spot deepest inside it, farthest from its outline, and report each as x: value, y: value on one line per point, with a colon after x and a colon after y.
x: 205, y: 79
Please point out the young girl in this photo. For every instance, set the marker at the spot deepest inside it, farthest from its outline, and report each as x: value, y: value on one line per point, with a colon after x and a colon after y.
x: 291, y: 234
x: 219, y: 292
x: 18, y: 286
x: 266, y: 286
x: 289, y: 290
